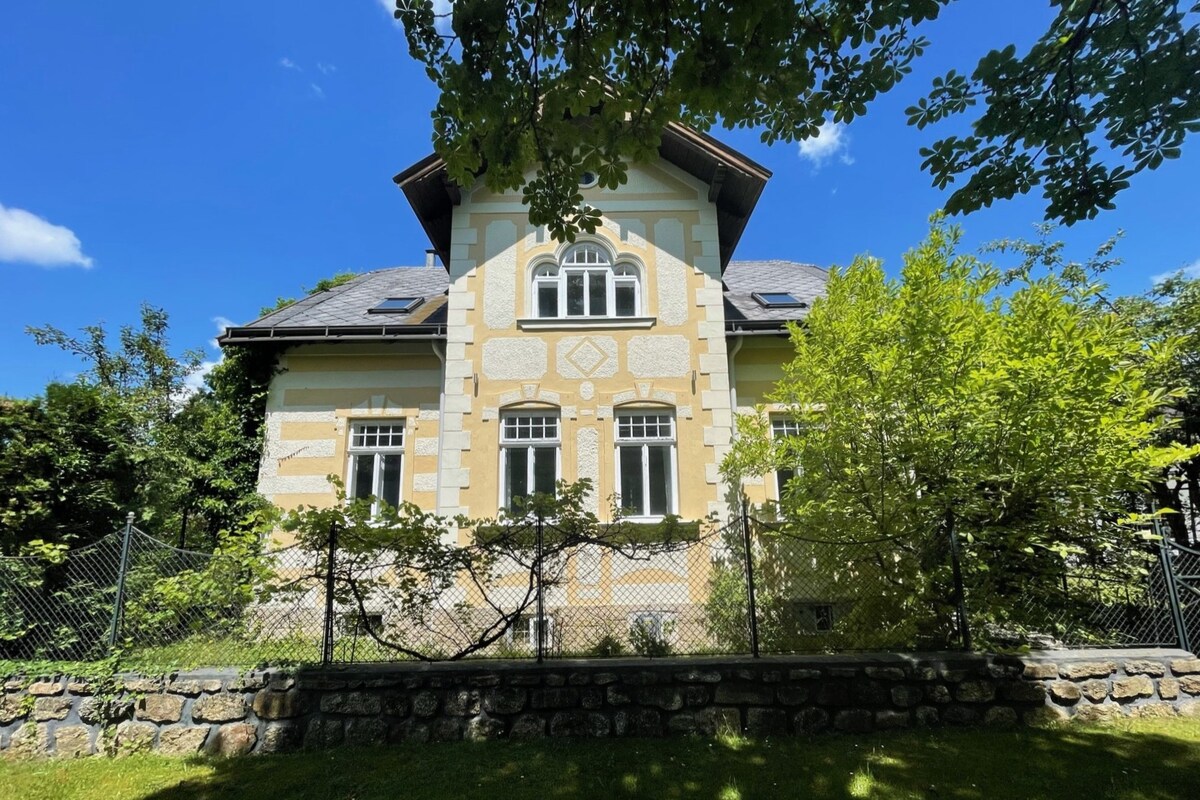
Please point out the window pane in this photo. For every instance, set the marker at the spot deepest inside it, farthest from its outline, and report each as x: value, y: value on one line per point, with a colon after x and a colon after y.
x: 660, y: 479
x: 781, y: 480
x: 547, y: 299
x: 389, y: 480
x: 575, y: 294
x: 516, y: 482
x: 626, y: 299
x: 545, y: 469
x: 598, y: 294
x: 632, y: 495
x: 363, y: 471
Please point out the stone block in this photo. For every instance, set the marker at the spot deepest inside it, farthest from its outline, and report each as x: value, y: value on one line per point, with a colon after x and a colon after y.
x: 182, y: 740
x: 698, y: 676
x: 280, y: 737
x: 46, y: 688
x: 744, y: 694
x: 1186, y: 666
x: 668, y: 698
x: 1098, y: 713
x: 506, y: 700
x: 395, y: 704
x: 618, y: 696
x: 638, y: 722
x: 1095, y: 690
x: 95, y: 711
x: 682, y: 724
x: 792, y: 694
x: 1189, y: 708
x: 250, y: 682
x: 366, y: 732
x: 528, y: 726
x: 1161, y: 710
x: 159, y: 708
x: 975, y: 692
x: 235, y: 739
x: 696, y: 695
x: 1087, y: 669
x: 833, y: 694
x: 485, y: 680
x: 323, y: 733
x: 960, y: 715
x: 134, y: 737
x: 766, y: 721
x: 718, y: 721
x: 578, y: 679
x: 926, y: 716
x: 1155, y: 669
x: 842, y: 672
x: 906, y: 696
x: 1190, y: 684
x: 12, y: 709
x: 425, y: 705
x: 937, y: 693
x: 886, y: 673
x: 1000, y: 716
x: 803, y: 674
x: 138, y: 684
x: 446, y: 729
x: 853, y: 720
x: 554, y: 679
x: 1132, y: 688
x: 554, y: 698
x: 1168, y: 688
x: 604, y: 678
x: 410, y: 730
x: 889, y: 719
x: 592, y: 698
x: 462, y: 703
x: 869, y: 693
x: 270, y: 704
x: 80, y: 687
x: 29, y: 741
x: 810, y: 720
x: 484, y: 728
x: 1021, y: 691
x: 72, y: 741
x: 352, y: 703
x: 1065, y: 692
x: 219, y: 708
x: 1046, y: 715
x: 193, y: 686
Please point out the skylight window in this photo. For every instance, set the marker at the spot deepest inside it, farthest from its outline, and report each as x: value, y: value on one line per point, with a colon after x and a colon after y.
x: 778, y: 300
x: 397, y: 305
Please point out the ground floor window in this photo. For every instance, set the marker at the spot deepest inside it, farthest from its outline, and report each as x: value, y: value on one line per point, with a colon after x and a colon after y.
x: 529, y: 455
x: 646, y: 463
x: 527, y: 629
x: 376, y: 455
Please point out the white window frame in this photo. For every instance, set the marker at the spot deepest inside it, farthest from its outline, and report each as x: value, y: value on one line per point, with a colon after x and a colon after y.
x: 646, y: 442
x: 509, y: 444
x: 527, y: 625
x: 781, y: 427
x: 354, y: 450
x: 662, y: 623
x: 586, y: 260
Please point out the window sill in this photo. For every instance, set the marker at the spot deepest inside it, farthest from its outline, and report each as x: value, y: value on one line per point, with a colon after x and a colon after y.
x: 583, y: 323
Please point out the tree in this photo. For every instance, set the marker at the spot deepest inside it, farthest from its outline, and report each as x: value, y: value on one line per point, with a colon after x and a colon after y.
x: 1106, y: 91
x: 946, y: 404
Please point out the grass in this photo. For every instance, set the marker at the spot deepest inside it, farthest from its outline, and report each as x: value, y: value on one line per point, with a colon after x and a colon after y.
x: 1134, y: 760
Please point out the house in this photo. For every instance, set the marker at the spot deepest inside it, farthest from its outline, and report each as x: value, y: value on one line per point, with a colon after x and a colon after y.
x: 509, y: 360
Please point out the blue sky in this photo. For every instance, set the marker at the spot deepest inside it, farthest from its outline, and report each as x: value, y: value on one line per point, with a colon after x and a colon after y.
x: 209, y: 157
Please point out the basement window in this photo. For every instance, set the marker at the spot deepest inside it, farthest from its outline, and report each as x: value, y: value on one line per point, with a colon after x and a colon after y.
x: 778, y: 300
x: 397, y: 305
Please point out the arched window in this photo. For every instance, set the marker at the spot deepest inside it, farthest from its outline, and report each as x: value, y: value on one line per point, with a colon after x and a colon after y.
x: 586, y: 284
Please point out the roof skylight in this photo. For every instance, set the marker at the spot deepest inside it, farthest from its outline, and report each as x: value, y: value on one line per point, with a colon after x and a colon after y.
x: 778, y: 300
x: 397, y: 305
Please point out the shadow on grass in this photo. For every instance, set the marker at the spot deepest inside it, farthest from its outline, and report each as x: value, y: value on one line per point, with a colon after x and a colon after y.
x: 1150, y: 761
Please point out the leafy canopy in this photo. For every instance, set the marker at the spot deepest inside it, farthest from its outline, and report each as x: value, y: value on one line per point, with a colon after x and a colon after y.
x: 1017, y: 416
x: 1107, y: 90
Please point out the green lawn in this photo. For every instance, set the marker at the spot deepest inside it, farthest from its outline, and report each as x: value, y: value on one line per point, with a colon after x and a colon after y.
x: 1146, y: 760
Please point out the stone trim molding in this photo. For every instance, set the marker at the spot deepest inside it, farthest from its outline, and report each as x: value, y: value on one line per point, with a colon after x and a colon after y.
x: 227, y: 713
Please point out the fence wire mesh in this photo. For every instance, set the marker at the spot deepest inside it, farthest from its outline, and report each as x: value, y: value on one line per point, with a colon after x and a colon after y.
x: 748, y: 586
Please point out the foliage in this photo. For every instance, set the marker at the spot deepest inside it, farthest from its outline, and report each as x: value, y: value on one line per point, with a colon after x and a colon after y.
x: 424, y: 586
x: 1106, y: 91
x: 650, y: 643
x: 607, y: 646
x: 937, y: 404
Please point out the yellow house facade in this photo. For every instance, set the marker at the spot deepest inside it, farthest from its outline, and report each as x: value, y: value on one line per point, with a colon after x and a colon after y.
x: 509, y: 360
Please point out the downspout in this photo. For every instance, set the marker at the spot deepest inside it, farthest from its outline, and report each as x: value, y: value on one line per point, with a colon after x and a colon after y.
x: 441, y: 356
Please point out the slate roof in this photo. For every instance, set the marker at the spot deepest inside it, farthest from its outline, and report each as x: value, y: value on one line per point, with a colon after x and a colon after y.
x: 344, y: 312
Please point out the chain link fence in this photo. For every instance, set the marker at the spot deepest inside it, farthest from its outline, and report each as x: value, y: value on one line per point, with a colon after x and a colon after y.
x: 750, y: 586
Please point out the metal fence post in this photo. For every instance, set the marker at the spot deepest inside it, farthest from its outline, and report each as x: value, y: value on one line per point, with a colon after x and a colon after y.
x: 539, y: 623
x: 119, y: 601
x: 964, y: 627
x: 327, y: 637
x: 1164, y: 558
x: 751, y: 610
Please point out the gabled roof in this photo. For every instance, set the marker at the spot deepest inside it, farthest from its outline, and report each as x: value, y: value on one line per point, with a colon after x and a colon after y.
x: 734, y: 181
x: 344, y: 312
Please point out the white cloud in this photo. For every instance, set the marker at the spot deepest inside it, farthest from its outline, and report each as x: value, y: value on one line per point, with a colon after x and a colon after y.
x: 1192, y: 270
x: 26, y: 238
x: 287, y: 63
x: 326, y: 69
x: 318, y: 91
x: 831, y: 140
x: 194, y: 381
x: 222, y: 323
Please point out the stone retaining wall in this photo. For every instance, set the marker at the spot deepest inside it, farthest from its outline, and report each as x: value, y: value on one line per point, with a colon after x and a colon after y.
x: 228, y: 713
